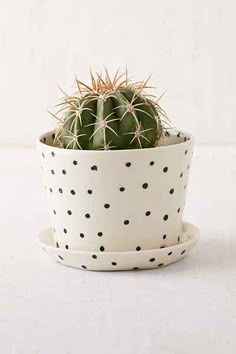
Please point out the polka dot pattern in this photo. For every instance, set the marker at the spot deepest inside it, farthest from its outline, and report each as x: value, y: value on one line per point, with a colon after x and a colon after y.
x: 103, y: 260
x: 153, y: 177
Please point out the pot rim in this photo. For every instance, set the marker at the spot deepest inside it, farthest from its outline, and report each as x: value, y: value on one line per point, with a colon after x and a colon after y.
x: 190, y: 139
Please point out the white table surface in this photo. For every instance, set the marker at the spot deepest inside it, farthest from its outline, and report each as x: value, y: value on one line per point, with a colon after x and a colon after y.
x: 187, y: 307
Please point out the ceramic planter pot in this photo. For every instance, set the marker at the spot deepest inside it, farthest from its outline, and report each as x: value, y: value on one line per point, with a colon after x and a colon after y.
x: 120, y: 200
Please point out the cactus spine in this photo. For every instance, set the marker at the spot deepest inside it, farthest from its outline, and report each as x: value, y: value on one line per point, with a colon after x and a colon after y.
x: 111, y: 114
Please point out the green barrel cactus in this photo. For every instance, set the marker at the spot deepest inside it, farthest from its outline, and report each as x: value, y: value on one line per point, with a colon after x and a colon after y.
x: 111, y: 114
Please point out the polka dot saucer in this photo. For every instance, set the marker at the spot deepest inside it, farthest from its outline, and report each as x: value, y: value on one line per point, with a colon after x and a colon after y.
x: 131, y: 260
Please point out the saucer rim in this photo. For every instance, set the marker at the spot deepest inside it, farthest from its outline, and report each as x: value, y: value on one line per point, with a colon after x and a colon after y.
x: 194, y: 235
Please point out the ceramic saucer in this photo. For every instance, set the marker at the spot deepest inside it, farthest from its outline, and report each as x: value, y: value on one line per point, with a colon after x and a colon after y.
x: 112, y: 261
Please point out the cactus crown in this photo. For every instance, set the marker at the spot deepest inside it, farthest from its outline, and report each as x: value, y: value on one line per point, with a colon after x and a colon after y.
x: 111, y: 113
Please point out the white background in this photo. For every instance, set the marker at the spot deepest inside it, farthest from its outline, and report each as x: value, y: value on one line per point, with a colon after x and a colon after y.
x: 188, y: 46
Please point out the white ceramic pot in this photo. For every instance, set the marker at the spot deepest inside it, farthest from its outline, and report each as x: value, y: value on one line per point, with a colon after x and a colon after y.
x: 120, y: 200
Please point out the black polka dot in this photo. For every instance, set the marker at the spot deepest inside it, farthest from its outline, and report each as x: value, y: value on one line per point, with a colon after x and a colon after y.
x: 52, y: 172
x: 151, y: 259
x: 185, y: 186
x: 50, y: 190
x: 102, y: 248
x: 53, y: 153
x: 84, y: 267
x: 178, y: 135
x: 165, y: 217
x: 178, y: 238
x: 81, y: 235
x: 148, y: 213
x: 135, y: 268
x: 43, y: 155
x: 160, y: 264
x: 181, y: 174
x: 126, y: 222
x: 128, y: 164
x: 72, y: 192
x: 183, y: 251
x: 94, y: 256
x: 152, y: 163
x: 163, y: 246
x: 61, y: 258
x: 89, y: 191
x: 57, y: 244
x: 44, y: 140
x: 172, y: 191
x: 74, y: 162
x: 53, y: 136
x: 67, y: 247
x: 138, y: 248
x: 69, y: 212
x: 65, y: 231
x: 64, y: 172
x: 170, y: 253
x: 164, y: 237
x: 100, y: 234
x: 60, y: 190
x: 165, y: 169
x: 178, y: 210
x: 145, y: 185
x: 186, y: 151
x: 122, y: 189
x: 54, y: 212
x: 106, y: 206
x: 185, y: 139
x: 87, y: 216
x: 94, y: 168
x: 114, y: 263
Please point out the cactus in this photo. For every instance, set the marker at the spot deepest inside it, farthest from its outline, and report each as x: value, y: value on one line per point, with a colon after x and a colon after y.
x: 111, y: 114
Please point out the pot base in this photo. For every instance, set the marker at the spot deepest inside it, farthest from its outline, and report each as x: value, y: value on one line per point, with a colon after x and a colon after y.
x: 113, y: 261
